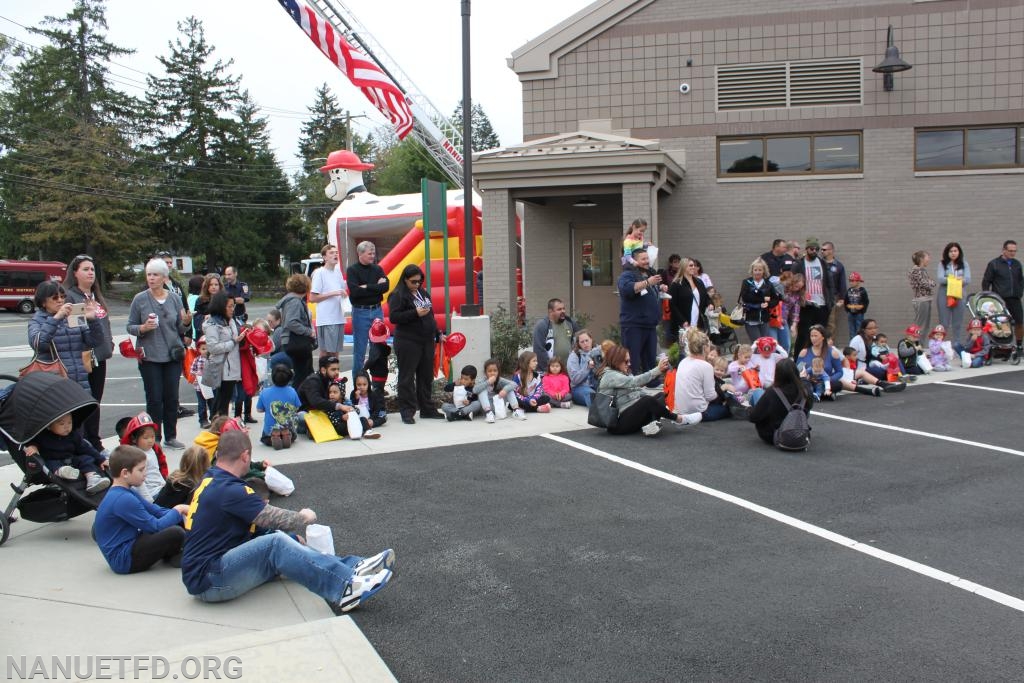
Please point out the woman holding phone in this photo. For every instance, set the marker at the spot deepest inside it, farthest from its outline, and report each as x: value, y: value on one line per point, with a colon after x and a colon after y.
x: 82, y: 286
x: 49, y: 331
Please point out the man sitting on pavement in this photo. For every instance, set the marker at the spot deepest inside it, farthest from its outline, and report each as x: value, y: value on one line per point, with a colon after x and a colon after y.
x: 232, y: 544
x: 554, y: 335
x: 313, y: 390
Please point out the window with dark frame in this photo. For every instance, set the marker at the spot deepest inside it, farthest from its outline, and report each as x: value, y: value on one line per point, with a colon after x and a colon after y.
x: 969, y: 147
x: 782, y: 155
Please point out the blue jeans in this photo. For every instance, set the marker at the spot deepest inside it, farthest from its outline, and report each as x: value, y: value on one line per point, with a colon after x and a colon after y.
x: 781, y: 335
x: 715, y: 411
x: 854, y: 320
x: 642, y: 343
x: 266, y: 557
x: 582, y: 395
x: 362, y: 318
x: 160, y: 382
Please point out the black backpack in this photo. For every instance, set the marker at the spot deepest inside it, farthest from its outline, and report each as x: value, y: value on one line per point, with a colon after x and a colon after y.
x: 794, y: 434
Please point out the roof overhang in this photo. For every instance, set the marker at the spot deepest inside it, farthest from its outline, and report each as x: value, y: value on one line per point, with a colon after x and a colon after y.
x: 538, y: 59
x: 582, y: 159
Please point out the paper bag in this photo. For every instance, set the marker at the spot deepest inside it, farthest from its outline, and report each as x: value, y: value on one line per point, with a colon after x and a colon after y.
x: 278, y: 482
x: 965, y: 359
x: 320, y: 538
x: 924, y: 363
x: 459, y: 397
x: 500, y: 408
x: 355, y: 427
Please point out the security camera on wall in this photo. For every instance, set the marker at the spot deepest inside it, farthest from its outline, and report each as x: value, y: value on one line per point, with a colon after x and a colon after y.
x: 684, y: 88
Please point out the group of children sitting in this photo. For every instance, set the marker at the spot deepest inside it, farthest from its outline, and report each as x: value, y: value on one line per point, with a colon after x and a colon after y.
x: 528, y: 391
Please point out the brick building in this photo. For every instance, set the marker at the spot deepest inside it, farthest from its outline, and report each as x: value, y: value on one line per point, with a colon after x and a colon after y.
x: 783, y: 131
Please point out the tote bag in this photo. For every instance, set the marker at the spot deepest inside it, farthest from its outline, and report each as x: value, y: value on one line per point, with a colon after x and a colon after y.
x: 604, y: 412
x: 54, y: 366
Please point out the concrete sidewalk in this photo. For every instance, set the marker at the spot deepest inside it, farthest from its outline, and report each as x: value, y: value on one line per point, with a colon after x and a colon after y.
x: 58, y: 584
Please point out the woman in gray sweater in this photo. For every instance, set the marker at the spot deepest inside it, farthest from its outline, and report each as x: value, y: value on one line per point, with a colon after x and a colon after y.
x: 161, y: 323
x: 638, y: 409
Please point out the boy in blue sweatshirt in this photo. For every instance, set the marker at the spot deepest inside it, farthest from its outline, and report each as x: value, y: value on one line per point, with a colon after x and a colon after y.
x: 133, y: 533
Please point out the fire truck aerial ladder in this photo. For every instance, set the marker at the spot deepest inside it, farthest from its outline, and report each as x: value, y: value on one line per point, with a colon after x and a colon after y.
x: 431, y: 128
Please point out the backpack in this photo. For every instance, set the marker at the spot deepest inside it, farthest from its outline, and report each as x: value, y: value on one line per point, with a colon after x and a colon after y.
x: 794, y: 434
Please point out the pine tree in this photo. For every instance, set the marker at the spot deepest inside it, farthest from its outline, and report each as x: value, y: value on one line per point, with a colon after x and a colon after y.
x: 484, y: 136
x: 70, y: 174
x: 326, y: 131
x: 191, y: 105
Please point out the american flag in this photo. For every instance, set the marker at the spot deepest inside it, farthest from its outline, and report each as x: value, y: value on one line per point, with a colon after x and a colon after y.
x: 359, y: 68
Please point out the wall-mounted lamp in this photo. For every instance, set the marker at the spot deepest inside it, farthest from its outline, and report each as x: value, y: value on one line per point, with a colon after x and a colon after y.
x: 585, y: 203
x: 891, y: 64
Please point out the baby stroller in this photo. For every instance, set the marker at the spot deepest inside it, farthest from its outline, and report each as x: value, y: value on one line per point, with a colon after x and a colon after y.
x: 26, y: 408
x: 990, y: 309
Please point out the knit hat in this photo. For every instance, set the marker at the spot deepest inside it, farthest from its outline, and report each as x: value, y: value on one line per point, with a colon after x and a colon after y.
x: 913, y: 331
x: 855, y: 277
x: 379, y: 331
x: 812, y: 242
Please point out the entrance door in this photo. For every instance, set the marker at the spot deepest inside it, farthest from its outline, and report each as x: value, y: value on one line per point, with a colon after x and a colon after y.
x: 597, y: 264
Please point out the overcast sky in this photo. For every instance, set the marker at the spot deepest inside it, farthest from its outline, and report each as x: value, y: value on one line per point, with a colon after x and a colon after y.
x: 282, y: 68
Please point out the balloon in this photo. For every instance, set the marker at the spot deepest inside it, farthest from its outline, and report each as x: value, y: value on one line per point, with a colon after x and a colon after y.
x: 454, y: 343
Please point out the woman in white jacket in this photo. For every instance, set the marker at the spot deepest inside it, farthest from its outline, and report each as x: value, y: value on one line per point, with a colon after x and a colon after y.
x: 224, y: 366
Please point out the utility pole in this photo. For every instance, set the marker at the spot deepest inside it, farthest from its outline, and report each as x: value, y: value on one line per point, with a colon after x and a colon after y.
x: 470, y: 308
x: 348, y: 127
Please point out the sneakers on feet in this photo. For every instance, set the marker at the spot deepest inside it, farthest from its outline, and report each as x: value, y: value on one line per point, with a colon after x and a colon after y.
x: 249, y: 420
x: 275, y: 439
x: 519, y: 414
x: 370, y: 434
x: 204, y: 424
x: 430, y: 415
x: 567, y: 404
x: 451, y: 416
x: 409, y: 419
x: 651, y: 429
x: 362, y: 588
x: 490, y: 417
x: 546, y: 408
x: 468, y: 415
x: 174, y: 443
x: 689, y: 419
x: 94, y: 483
x: 286, y: 438
x: 68, y: 472
x: 371, y: 565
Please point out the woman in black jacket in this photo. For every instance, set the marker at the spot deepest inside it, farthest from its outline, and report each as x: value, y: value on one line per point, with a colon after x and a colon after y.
x: 757, y: 296
x: 415, y: 334
x: 689, y: 300
x: 769, y: 412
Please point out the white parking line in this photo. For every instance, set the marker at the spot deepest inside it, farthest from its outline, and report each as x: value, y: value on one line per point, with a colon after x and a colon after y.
x: 845, y: 541
x: 971, y: 386
x: 916, y: 432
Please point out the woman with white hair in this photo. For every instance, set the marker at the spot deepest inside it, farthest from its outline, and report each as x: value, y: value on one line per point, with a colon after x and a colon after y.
x: 160, y: 321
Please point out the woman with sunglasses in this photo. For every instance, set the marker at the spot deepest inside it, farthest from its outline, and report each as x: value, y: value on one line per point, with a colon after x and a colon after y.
x: 416, y: 333
x: 82, y: 286
x: 52, y: 330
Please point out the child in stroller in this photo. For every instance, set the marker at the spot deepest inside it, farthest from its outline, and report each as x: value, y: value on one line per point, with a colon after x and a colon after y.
x: 67, y: 453
x: 27, y: 408
x: 991, y: 310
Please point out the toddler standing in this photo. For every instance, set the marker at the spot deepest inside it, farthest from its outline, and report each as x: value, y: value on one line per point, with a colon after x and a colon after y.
x: 856, y: 302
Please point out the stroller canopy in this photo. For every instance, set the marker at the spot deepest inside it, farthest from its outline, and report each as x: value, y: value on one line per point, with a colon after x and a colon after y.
x: 38, y: 399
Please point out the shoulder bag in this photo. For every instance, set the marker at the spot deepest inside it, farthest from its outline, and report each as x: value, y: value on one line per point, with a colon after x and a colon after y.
x: 301, y: 343
x: 604, y: 411
x: 54, y: 366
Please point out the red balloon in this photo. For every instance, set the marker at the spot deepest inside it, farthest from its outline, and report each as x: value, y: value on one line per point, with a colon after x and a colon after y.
x: 453, y: 343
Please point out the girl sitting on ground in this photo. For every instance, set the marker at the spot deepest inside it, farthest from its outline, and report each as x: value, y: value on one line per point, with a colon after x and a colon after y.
x: 529, y: 390
x: 182, y: 482
x: 556, y: 384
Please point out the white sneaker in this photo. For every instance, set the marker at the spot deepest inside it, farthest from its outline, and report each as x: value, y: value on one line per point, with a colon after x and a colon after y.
x: 371, y: 565
x: 651, y: 429
x: 490, y: 418
x: 689, y: 419
x: 519, y: 414
x: 68, y: 472
x: 94, y: 483
x: 362, y: 588
x: 370, y: 434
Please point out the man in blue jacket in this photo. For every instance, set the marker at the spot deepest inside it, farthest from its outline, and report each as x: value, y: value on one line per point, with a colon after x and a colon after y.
x: 640, y: 311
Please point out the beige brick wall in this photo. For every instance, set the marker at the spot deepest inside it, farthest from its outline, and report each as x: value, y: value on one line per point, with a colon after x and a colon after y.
x: 967, y: 60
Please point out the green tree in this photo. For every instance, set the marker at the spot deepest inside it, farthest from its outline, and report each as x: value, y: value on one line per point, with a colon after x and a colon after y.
x: 401, y: 165
x: 484, y: 136
x: 326, y: 130
x: 255, y: 236
x: 192, y: 104
x: 70, y: 172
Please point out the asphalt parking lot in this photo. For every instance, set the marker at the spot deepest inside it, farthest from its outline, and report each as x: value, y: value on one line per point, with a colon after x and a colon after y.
x: 590, y: 557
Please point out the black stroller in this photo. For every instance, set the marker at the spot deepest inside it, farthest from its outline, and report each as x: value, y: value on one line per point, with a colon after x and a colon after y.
x: 26, y: 409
